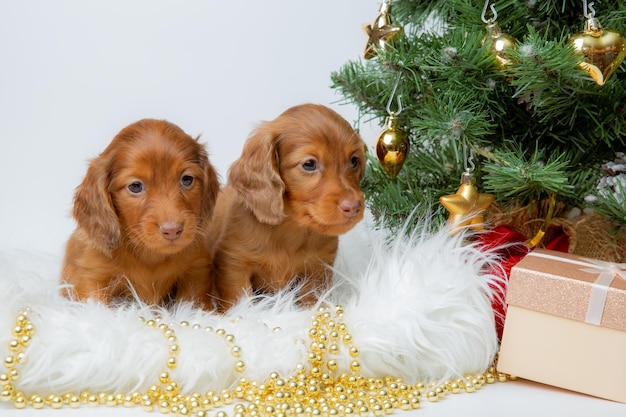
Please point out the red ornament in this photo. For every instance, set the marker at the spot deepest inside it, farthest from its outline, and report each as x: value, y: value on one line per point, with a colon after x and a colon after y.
x: 560, y: 242
x: 511, y: 248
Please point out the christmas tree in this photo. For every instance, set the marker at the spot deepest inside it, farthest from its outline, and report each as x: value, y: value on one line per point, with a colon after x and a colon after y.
x: 539, y: 124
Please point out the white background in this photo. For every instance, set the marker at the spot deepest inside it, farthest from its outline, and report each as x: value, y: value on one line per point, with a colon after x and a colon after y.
x: 74, y: 72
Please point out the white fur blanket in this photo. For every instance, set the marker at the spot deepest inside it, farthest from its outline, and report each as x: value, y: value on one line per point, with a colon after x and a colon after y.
x: 417, y: 307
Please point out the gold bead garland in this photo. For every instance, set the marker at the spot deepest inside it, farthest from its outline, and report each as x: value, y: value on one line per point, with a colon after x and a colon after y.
x: 316, y: 390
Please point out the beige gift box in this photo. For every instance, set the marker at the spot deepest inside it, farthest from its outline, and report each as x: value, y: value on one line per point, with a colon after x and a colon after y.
x: 566, y: 324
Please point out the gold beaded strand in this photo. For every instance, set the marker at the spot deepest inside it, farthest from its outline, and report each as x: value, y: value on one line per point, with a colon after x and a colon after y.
x: 315, y: 390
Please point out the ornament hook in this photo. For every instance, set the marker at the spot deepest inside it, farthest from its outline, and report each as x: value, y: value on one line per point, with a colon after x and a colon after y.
x: 588, y: 10
x: 469, y: 161
x: 484, y: 14
x: 393, y: 93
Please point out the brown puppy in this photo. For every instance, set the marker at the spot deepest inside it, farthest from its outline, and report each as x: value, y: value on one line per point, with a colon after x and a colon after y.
x: 293, y: 190
x: 143, y: 212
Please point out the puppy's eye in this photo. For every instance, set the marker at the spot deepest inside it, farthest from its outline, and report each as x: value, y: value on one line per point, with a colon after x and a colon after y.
x: 135, y: 187
x: 310, y: 165
x: 355, y: 162
x: 186, y: 180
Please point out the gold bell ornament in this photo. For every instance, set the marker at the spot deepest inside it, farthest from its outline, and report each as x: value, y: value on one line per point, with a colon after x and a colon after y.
x: 500, y: 43
x: 381, y: 32
x: 603, y: 50
x: 392, y: 146
x: 467, y: 206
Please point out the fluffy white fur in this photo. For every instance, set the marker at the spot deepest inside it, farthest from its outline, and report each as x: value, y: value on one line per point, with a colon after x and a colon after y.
x: 417, y: 307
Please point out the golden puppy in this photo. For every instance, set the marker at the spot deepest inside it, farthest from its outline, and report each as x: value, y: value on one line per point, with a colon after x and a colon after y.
x: 292, y: 192
x: 143, y: 212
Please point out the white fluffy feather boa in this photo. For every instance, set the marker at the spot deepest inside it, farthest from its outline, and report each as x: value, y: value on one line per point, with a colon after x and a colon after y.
x: 417, y: 307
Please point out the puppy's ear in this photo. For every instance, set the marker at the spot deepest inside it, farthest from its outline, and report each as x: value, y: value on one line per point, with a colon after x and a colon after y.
x: 256, y: 177
x: 211, y: 188
x: 93, y: 208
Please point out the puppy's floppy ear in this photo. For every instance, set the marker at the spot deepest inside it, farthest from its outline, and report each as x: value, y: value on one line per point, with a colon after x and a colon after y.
x: 211, y: 186
x: 93, y: 208
x: 256, y: 177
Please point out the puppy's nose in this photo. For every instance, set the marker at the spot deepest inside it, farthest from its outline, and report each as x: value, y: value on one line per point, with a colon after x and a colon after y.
x: 350, y: 208
x: 171, y: 230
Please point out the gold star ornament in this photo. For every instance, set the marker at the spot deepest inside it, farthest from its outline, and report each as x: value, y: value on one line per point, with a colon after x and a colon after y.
x: 381, y: 32
x: 467, y: 206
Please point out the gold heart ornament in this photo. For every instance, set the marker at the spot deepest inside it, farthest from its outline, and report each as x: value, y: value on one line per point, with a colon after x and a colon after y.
x: 603, y: 50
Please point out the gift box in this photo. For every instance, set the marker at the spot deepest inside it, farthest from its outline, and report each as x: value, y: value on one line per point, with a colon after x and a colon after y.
x: 566, y: 324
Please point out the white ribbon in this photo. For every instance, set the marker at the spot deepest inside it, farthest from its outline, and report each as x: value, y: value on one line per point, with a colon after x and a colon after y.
x: 607, y: 271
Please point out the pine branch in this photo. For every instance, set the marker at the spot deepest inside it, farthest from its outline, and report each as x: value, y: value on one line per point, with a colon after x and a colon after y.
x: 513, y: 176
